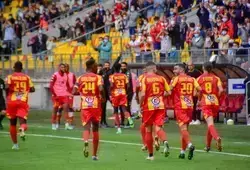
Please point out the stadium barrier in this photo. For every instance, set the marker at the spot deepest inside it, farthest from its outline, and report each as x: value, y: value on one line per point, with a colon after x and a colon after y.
x: 43, y: 65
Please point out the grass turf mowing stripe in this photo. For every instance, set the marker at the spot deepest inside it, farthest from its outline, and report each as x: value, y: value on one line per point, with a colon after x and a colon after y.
x: 127, y: 143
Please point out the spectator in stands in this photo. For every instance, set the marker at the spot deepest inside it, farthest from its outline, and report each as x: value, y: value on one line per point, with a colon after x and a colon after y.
x: 134, y: 46
x: 166, y: 44
x: 89, y: 25
x: 243, y: 34
x: 50, y: 44
x: 150, y: 10
x: 222, y: 39
x: 159, y: 7
x: 146, y: 47
x: 155, y: 30
x: 227, y: 24
x: 174, y: 32
x: 133, y: 15
x: 79, y: 25
x: 43, y: 23
x: 9, y: 35
x: 107, y: 19
x: 105, y: 50
x: 203, y: 15
x: 18, y: 30
x: 53, y: 11
x: 209, y: 42
x: 98, y: 23
x: 190, y: 33
x: 168, y: 5
x: 183, y: 30
x: 197, y: 51
x: 38, y: 45
x: 143, y: 26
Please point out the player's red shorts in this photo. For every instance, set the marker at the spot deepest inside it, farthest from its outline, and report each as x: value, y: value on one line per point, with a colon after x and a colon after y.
x: 60, y: 100
x: 183, y: 116
x: 17, y: 109
x: 91, y: 115
x: 120, y: 100
x: 154, y: 117
x: 210, y: 111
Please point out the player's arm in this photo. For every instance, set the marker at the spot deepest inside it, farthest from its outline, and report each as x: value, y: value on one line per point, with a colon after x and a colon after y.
x: 101, y: 89
x: 143, y: 91
x: 173, y: 83
x: 198, y: 89
x: 75, y: 90
x: 7, y: 84
x: 167, y: 90
x: 51, y: 85
x: 127, y: 84
x: 31, y: 85
x: 219, y: 85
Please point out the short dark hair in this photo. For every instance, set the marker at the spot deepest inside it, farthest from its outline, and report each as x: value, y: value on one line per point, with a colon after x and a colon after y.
x: 124, y: 63
x: 150, y: 63
x: 99, y: 65
x: 208, y: 66
x: 18, y: 66
x: 181, y: 65
x: 117, y: 67
x: 107, y: 62
x: 90, y: 62
x: 61, y: 64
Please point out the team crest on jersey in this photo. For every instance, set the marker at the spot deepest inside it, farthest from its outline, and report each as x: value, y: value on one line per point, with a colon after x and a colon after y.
x: 90, y: 101
x: 187, y: 101
x: 211, y: 98
x: 155, y: 101
x: 19, y: 95
x: 119, y: 91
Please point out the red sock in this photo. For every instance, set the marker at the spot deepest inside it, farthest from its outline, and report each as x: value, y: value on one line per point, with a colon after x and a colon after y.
x: 127, y: 115
x: 143, y: 134
x: 117, y: 120
x: 86, y: 135
x: 149, y: 141
x: 95, y: 142
x: 162, y: 135
x: 213, y: 132
x: 183, y: 144
x: 185, y: 136
x: 209, y: 138
x: 24, y: 126
x: 53, y: 118
x: 13, y: 134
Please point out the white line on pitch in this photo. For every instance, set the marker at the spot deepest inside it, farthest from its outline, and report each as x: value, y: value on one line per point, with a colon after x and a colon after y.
x: 128, y: 143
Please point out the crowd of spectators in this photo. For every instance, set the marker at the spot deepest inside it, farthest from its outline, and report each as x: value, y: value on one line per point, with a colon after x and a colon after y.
x: 32, y: 15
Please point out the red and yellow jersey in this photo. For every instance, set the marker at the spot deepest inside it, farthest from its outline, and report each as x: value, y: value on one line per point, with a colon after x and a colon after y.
x: 184, y: 88
x: 209, y: 84
x: 154, y: 87
x: 19, y: 85
x: 88, y: 86
x: 119, y: 81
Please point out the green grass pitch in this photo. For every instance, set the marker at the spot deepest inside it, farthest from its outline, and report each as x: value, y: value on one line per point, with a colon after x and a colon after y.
x: 45, y: 149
